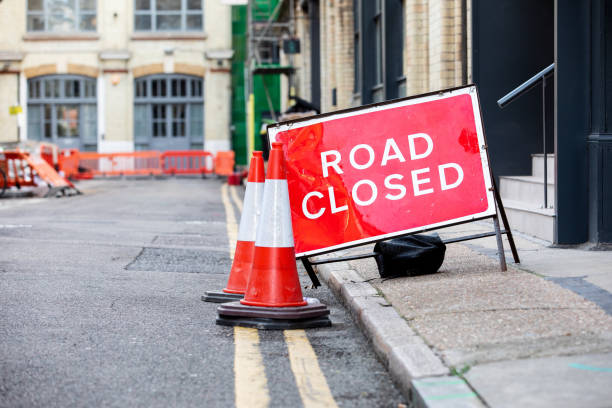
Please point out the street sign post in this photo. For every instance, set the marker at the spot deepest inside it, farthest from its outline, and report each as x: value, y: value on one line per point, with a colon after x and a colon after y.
x: 381, y: 171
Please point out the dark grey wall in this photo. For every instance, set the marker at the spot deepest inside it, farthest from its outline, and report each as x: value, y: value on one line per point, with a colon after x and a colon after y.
x: 315, y: 54
x: 599, y: 140
x: 572, y: 119
x: 512, y: 41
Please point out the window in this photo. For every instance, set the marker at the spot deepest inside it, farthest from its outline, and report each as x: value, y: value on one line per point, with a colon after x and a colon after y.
x: 62, y: 110
x: 379, y: 50
x: 168, y: 15
x: 168, y: 112
x: 60, y: 16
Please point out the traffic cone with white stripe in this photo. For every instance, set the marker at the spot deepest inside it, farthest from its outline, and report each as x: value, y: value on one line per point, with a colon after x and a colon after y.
x: 245, y: 244
x: 273, y: 298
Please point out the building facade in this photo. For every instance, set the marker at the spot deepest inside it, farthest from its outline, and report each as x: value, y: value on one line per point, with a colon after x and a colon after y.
x: 357, y: 52
x: 266, y: 88
x: 116, y: 75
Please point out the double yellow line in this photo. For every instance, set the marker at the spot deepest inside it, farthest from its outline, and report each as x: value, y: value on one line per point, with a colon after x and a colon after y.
x: 251, y: 384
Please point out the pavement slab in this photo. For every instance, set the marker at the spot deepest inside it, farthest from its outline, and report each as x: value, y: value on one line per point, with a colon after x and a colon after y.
x: 542, y: 321
x: 470, y: 306
x: 572, y: 381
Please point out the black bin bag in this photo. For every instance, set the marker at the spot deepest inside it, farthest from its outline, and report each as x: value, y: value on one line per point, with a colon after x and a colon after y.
x: 409, y: 256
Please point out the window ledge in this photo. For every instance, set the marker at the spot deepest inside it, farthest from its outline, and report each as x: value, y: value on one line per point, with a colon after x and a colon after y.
x: 48, y: 36
x: 173, y: 35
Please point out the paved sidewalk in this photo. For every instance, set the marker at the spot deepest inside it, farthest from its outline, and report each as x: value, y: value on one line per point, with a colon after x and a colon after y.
x: 538, y: 335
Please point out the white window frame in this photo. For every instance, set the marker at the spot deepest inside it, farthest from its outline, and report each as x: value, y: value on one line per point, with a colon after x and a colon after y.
x: 153, y: 13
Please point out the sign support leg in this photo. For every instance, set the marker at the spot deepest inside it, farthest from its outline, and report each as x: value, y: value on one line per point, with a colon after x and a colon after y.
x: 502, y: 213
x: 311, y: 273
x: 500, y: 245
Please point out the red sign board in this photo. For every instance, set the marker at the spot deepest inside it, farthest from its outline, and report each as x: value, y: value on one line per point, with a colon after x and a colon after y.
x: 376, y: 172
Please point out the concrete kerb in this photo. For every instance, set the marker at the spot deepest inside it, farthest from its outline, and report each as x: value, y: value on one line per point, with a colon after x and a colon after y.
x: 421, y: 376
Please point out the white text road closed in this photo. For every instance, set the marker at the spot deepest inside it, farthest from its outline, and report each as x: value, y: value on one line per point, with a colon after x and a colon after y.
x: 367, y: 174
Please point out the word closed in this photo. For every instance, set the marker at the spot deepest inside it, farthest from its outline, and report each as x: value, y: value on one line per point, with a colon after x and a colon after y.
x: 373, y: 173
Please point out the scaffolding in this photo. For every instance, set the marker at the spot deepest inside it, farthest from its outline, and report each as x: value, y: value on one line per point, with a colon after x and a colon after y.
x: 270, y: 22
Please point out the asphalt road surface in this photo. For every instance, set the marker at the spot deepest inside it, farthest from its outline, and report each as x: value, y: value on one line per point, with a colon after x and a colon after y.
x: 100, y: 306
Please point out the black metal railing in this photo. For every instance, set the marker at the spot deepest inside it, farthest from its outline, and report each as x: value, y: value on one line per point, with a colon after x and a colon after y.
x: 520, y: 90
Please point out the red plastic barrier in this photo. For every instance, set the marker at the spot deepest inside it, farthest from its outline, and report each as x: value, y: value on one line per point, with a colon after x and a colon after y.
x: 87, y: 165
x: 117, y: 164
x: 15, y: 166
x: 224, y: 163
x: 46, y: 172
x: 187, y: 162
x: 69, y: 162
x: 49, y: 153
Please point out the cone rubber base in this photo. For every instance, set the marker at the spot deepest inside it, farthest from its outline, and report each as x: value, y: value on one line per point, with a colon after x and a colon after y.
x: 221, y: 297
x: 313, y: 309
x: 314, y: 314
x: 274, y: 324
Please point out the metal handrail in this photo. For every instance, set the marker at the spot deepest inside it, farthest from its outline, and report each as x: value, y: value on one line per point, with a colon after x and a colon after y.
x: 525, y: 86
x: 518, y: 91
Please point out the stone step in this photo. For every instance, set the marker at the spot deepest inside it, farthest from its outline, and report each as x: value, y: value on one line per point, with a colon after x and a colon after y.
x: 537, y: 222
x: 537, y: 166
x: 526, y: 189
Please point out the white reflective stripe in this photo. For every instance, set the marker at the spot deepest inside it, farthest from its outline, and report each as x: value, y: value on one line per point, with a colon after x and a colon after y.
x: 275, y: 229
x: 251, y: 211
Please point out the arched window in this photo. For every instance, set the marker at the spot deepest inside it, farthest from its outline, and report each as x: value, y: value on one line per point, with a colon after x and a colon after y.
x: 62, y: 110
x: 168, y: 112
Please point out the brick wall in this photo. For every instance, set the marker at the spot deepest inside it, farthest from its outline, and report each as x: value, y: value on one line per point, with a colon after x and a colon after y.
x: 432, y: 56
x: 344, y: 54
x: 302, y: 60
x: 433, y: 45
x: 444, y: 42
x: 336, y: 53
x: 416, y: 46
x: 337, y: 68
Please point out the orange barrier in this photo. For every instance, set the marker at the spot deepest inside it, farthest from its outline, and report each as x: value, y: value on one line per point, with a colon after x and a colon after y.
x: 117, y: 164
x: 83, y: 165
x: 23, y: 169
x: 16, y: 169
x: 46, y: 171
x: 49, y: 153
x: 187, y: 162
x: 69, y: 162
x: 224, y: 163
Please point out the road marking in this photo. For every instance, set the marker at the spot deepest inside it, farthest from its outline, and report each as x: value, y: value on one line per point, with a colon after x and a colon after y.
x: 230, y: 221
x: 250, y: 382
x: 236, y: 199
x: 18, y: 202
x: 308, y: 375
x: 251, y: 385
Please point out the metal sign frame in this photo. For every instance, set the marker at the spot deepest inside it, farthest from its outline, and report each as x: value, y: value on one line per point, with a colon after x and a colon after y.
x: 494, y: 209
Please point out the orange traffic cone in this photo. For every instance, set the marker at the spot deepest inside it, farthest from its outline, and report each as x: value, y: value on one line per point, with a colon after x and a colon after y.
x: 273, y: 298
x: 274, y: 281
x: 245, y: 244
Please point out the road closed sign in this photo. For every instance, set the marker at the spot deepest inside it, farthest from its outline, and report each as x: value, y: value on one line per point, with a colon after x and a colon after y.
x: 372, y: 173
